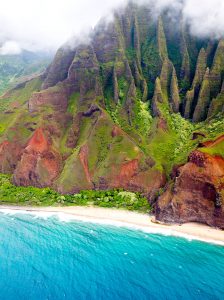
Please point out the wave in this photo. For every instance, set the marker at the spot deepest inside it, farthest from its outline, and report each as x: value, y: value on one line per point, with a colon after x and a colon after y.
x: 67, y: 217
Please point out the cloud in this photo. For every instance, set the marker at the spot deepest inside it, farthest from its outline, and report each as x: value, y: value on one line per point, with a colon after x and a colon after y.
x: 10, y: 48
x: 206, y: 18
x: 47, y: 24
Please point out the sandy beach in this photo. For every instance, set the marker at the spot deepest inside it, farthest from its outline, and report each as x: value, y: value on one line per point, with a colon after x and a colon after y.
x: 122, y: 218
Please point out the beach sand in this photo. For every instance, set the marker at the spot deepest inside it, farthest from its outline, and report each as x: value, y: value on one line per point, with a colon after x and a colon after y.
x: 123, y: 218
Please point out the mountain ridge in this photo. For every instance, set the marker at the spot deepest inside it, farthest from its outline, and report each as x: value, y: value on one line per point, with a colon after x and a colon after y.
x: 127, y: 110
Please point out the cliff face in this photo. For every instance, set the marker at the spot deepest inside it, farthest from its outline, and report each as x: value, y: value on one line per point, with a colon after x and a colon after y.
x: 122, y: 112
x: 196, y: 193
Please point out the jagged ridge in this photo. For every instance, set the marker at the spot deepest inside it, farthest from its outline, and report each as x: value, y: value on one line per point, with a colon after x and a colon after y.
x: 110, y: 114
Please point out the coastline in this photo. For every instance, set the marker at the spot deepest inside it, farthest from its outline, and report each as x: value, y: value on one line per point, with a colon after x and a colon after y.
x: 123, y: 218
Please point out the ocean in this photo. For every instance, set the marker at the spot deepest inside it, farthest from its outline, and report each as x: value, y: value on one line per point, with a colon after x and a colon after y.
x: 47, y: 257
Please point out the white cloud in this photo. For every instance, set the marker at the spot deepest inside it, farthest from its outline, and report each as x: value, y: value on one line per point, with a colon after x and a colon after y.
x: 10, y: 48
x: 206, y: 17
x: 41, y: 24
x: 46, y: 24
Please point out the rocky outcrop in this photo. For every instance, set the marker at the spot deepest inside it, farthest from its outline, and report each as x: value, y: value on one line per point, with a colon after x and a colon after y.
x: 216, y: 106
x: 165, y: 76
x: 129, y: 176
x: 200, y: 68
x: 202, y: 106
x: 196, y: 194
x: 136, y: 43
x: 217, y: 70
x: 56, y: 96
x: 108, y: 42
x: 186, y: 65
x: 157, y: 99
x: 84, y: 71
x: 58, y: 70
x: 10, y: 154
x: 39, y: 164
x: 174, y: 92
x: 115, y: 86
x: 189, y: 99
x: 161, y: 40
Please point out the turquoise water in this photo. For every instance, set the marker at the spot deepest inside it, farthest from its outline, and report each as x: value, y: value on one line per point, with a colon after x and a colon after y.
x: 51, y: 259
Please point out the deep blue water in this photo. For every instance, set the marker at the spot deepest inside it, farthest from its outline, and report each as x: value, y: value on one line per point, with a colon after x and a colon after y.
x: 50, y: 259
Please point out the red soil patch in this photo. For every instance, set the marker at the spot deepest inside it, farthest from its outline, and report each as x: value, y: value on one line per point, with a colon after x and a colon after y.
x: 116, y: 132
x: 128, y: 170
x: 83, y: 155
x: 38, y: 142
x: 214, y: 143
x: 3, y: 145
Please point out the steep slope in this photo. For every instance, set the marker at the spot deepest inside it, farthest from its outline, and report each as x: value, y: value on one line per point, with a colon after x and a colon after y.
x: 125, y: 111
x: 197, y: 190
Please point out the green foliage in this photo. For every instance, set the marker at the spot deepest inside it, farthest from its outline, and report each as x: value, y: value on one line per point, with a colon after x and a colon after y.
x: 25, y: 195
x: 131, y: 53
x: 20, y: 95
x: 2, y: 128
x: 113, y: 112
x: 143, y: 118
x: 10, y: 194
x: 152, y: 63
x: 183, y: 130
x: 123, y: 89
x: 212, y: 128
x: 13, y: 112
x: 114, y: 198
x: 172, y: 146
x: 72, y: 105
x: 215, y: 150
x: 99, y: 142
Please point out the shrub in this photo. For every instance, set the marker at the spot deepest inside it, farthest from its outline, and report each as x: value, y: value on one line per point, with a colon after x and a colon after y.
x: 10, y: 194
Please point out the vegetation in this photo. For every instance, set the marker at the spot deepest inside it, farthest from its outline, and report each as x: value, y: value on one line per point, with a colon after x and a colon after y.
x: 72, y: 106
x: 11, y: 194
x: 143, y: 118
x: 171, y: 146
x: 213, y: 128
x: 133, y: 127
x: 215, y: 150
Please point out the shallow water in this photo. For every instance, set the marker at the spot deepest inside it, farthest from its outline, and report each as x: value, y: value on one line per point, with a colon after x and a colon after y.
x: 50, y: 259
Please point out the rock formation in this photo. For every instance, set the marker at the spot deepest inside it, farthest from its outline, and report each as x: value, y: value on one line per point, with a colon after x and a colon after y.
x: 131, y: 109
x: 196, y: 194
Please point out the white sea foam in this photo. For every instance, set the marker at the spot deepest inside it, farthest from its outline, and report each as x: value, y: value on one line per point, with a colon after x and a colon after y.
x: 67, y: 217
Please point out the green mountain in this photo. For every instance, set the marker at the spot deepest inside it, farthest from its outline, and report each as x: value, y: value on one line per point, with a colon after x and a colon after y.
x: 15, y: 69
x: 140, y: 108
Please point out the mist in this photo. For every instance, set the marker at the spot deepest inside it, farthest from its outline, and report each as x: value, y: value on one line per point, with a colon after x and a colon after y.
x: 45, y: 25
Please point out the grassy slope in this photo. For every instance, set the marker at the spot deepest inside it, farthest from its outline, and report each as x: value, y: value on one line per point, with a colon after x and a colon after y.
x: 13, y: 112
x: 167, y: 147
x: 215, y: 150
x: 143, y: 137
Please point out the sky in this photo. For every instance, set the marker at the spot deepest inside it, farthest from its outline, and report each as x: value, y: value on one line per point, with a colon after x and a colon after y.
x: 40, y: 25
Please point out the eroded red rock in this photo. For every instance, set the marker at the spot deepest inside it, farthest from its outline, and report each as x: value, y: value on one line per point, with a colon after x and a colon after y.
x: 197, y: 192
x: 10, y: 153
x: 83, y: 155
x: 39, y: 164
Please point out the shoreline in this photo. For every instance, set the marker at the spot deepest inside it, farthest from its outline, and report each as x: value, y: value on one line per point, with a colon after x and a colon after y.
x: 123, y: 218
